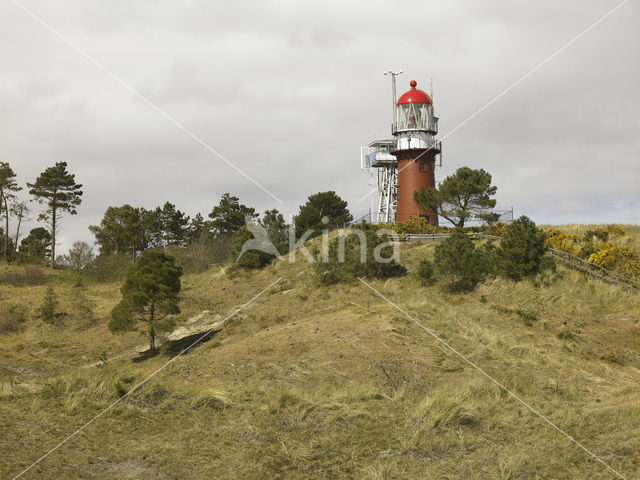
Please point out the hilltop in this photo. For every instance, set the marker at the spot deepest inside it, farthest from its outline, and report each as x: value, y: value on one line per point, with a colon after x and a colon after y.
x: 330, y: 382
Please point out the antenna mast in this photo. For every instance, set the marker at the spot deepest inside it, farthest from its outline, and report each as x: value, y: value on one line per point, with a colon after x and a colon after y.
x: 431, y: 87
x: 393, y: 92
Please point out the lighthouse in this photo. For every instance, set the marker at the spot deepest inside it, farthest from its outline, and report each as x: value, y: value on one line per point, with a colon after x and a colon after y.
x: 415, y: 148
x: 401, y: 165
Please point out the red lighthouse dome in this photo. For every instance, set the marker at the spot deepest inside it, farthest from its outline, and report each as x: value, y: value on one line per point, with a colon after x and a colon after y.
x: 414, y: 95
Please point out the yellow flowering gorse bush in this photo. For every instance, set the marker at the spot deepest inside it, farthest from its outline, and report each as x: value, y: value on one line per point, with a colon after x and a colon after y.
x: 616, y: 258
x: 565, y: 242
x: 496, y: 229
x: 413, y: 225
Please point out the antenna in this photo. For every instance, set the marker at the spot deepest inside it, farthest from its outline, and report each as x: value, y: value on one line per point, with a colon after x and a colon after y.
x: 431, y: 87
x: 393, y: 91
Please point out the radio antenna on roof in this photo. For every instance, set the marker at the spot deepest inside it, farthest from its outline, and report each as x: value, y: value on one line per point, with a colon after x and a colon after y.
x: 431, y: 87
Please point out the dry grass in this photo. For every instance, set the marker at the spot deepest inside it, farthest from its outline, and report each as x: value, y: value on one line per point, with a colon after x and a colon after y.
x: 331, y: 382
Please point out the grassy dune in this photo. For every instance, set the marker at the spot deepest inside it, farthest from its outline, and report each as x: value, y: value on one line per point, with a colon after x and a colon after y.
x: 331, y: 382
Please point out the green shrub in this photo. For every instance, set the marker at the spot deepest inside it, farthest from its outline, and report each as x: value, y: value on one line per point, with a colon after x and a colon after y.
x: 527, y: 316
x: 521, y: 250
x: 353, y: 255
x: 271, y: 241
x: 565, y: 335
x: 425, y: 274
x: 459, y: 262
x: 489, y: 257
x: 250, y: 258
x: 548, y: 264
x: 49, y: 306
x: 596, y: 234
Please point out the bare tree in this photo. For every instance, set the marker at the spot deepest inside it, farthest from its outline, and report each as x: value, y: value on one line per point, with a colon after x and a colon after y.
x: 79, y: 257
x: 20, y: 210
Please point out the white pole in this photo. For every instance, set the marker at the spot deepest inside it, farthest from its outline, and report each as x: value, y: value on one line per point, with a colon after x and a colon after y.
x: 393, y: 92
x: 390, y: 176
x: 393, y: 97
x: 431, y: 88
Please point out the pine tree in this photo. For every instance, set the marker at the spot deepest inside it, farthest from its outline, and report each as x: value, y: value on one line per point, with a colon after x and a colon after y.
x: 462, y: 196
x: 119, y: 232
x: 58, y: 189
x: 425, y: 273
x: 152, y: 229
x: 521, y: 250
x: 197, y: 228
x: 277, y: 229
x: 322, y: 204
x: 174, y: 225
x: 49, y: 305
x: 34, y: 248
x: 150, y: 293
x: 458, y: 262
x: 8, y: 187
x: 229, y: 216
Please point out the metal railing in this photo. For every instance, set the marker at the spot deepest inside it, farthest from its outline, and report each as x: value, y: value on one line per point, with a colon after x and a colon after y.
x: 435, y: 237
x: 424, y: 237
x: 380, y: 156
x: 408, y: 127
x: 592, y: 269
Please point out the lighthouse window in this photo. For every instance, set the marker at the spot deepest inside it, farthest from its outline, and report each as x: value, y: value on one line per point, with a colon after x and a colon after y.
x: 421, y: 166
x: 412, y: 116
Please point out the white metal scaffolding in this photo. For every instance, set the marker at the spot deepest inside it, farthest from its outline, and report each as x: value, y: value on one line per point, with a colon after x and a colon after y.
x: 383, y: 177
x: 387, y: 187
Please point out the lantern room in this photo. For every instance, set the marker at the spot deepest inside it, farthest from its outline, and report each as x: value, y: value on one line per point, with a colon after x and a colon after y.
x: 414, y: 112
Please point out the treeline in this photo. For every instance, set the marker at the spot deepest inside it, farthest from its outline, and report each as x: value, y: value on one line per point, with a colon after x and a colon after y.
x: 196, y: 243
x: 126, y: 231
x: 56, y: 189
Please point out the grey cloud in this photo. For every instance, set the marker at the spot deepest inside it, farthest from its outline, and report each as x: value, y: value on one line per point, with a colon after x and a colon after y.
x: 289, y: 91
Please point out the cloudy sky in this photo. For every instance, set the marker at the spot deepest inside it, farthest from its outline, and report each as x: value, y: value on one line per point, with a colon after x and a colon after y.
x: 289, y: 91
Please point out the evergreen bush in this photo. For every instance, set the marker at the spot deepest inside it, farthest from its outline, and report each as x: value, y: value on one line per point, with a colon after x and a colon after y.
x: 521, y: 250
x: 250, y: 258
x: 459, y: 262
x: 425, y: 274
x: 353, y: 255
x: 277, y: 233
x: 48, y: 307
